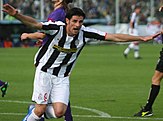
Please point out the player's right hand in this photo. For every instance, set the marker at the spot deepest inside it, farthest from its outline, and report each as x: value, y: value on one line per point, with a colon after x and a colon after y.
x: 10, y: 10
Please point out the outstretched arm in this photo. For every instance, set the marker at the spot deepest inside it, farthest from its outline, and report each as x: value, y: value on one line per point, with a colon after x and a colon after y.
x: 128, y: 38
x: 29, y: 21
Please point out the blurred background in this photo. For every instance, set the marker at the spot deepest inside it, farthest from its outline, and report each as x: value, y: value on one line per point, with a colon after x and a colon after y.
x: 107, y: 15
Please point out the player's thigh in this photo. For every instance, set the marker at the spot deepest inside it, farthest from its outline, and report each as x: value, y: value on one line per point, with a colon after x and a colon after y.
x: 42, y: 87
x: 60, y: 90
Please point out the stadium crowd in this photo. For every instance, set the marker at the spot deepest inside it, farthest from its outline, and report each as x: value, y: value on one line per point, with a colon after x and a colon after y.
x: 94, y: 9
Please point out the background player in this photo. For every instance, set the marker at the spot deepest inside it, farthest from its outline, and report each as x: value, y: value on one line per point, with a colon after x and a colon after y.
x: 133, y: 31
x: 3, y: 86
x: 155, y: 86
x: 56, y: 58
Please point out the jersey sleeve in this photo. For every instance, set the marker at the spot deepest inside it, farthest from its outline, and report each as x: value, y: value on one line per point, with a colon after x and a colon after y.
x: 133, y: 16
x: 91, y: 34
x: 51, y: 27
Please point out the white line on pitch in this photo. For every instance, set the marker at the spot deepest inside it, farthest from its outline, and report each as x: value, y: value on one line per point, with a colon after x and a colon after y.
x: 93, y: 116
x: 100, y: 113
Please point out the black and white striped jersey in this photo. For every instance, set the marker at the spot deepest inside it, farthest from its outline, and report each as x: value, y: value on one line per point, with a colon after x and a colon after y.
x: 134, y: 19
x: 58, y: 55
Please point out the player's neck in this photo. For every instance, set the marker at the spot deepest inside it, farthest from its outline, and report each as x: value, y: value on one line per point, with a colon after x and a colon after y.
x: 58, y: 5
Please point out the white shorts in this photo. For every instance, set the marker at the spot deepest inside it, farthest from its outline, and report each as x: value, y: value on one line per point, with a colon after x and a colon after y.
x: 50, y: 89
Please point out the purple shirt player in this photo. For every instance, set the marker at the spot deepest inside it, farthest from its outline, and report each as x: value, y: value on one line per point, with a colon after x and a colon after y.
x: 57, y: 15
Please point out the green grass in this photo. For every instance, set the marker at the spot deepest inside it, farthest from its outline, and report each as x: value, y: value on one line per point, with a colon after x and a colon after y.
x: 102, y: 80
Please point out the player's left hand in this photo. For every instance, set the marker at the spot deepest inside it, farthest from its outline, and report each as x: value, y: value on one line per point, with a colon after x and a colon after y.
x: 39, y: 42
x: 157, y: 34
x: 24, y: 36
x: 10, y: 10
x: 147, y: 38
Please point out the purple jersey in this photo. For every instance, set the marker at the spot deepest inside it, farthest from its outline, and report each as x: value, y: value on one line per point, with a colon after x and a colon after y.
x: 57, y: 15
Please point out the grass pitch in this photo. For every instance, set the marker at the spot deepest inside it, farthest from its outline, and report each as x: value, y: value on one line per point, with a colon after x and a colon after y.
x: 103, y: 82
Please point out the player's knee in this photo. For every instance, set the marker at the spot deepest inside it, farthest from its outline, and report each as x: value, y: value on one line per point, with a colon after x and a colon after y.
x: 156, y: 80
x: 59, y: 113
x: 39, y: 110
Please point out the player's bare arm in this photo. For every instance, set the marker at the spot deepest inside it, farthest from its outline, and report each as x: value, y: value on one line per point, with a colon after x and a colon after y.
x: 29, y: 21
x: 161, y: 9
x: 131, y: 24
x: 128, y: 38
x: 36, y: 35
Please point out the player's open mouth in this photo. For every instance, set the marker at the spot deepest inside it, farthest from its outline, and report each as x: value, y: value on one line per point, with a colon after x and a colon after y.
x: 76, y: 28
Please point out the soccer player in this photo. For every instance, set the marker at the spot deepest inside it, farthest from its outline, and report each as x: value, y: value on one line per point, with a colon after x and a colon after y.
x: 58, y: 14
x: 155, y: 86
x: 3, y: 86
x: 56, y: 59
x: 133, y: 31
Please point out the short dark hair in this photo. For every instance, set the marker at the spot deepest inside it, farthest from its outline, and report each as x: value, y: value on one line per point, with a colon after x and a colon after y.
x: 68, y: 1
x: 137, y: 7
x: 75, y: 12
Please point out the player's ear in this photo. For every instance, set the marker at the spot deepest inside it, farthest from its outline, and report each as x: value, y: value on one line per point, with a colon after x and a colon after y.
x: 67, y: 20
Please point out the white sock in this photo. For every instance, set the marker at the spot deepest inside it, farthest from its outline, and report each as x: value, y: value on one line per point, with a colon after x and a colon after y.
x: 49, y: 113
x: 127, y: 50
x: 33, y: 117
x: 136, y: 54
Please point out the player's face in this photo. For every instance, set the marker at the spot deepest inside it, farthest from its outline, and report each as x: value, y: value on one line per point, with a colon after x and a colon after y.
x: 74, y: 25
x: 138, y: 10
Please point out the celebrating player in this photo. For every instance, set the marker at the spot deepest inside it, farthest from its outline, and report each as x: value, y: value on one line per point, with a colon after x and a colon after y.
x: 155, y: 86
x: 60, y: 9
x: 55, y: 60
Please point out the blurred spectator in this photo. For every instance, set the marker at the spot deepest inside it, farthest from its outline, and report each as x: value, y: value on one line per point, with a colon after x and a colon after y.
x: 157, y: 13
x: 7, y: 43
x: 29, y: 8
x: 48, y: 7
x: 94, y: 9
x: 106, y: 11
x: 25, y: 43
x: 9, y: 18
x: 153, y: 27
x: 1, y: 41
x: 91, y: 9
